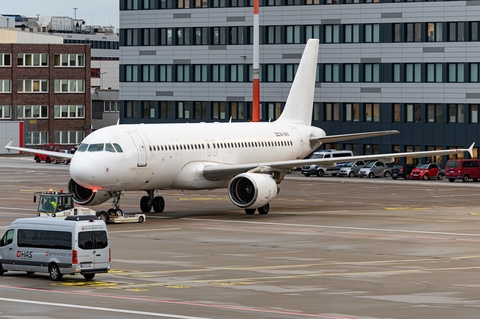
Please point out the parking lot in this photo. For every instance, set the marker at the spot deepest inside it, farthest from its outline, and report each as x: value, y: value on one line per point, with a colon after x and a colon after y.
x: 330, y: 247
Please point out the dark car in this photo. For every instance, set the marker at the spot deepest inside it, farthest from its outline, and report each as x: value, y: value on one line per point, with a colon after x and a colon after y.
x: 402, y: 171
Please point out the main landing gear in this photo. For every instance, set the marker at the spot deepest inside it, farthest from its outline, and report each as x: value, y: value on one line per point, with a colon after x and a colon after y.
x: 152, y: 201
x: 261, y: 210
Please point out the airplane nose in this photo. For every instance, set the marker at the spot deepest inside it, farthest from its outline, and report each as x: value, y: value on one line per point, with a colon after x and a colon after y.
x: 83, y: 170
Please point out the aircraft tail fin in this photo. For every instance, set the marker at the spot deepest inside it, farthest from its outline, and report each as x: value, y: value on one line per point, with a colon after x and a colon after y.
x: 299, y: 106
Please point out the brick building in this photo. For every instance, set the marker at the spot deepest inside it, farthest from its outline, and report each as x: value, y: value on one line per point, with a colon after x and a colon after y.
x: 47, y: 86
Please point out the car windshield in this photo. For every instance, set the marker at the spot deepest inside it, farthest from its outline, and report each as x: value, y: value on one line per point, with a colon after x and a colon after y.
x: 317, y: 156
x: 348, y: 164
x: 370, y: 164
x: 422, y: 166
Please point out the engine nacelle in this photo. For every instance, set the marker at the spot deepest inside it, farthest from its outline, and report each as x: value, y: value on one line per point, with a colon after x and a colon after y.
x: 86, y: 196
x: 252, y: 190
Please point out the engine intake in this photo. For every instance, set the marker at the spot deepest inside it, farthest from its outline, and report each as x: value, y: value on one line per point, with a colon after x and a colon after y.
x: 86, y: 196
x: 251, y: 190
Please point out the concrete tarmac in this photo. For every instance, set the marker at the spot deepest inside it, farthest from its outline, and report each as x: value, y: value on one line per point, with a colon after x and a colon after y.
x: 331, y: 247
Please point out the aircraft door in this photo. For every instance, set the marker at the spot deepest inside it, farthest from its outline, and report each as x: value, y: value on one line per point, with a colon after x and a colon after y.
x: 141, y: 149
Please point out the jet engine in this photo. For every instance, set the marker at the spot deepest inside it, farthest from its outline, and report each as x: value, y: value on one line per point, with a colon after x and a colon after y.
x: 86, y: 196
x: 252, y: 190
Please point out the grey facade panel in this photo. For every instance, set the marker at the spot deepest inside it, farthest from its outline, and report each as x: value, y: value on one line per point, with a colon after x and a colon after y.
x: 145, y: 52
x: 472, y: 96
x: 217, y: 47
x: 391, y: 15
x: 162, y: 93
x: 182, y: 61
x: 296, y: 56
x: 235, y: 98
x: 433, y: 49
x: 371, y: 60
x: 182, y: 15
x: 473, y: 3
x: 235, y: 19
x: 371, y: 90
x: 331, y: 21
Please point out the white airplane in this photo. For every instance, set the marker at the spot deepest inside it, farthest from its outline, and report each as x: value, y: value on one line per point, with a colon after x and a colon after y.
x: 249, y: 159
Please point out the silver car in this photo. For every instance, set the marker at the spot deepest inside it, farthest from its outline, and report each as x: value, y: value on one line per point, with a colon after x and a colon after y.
x: 351, y: 169
x: 374, y: 169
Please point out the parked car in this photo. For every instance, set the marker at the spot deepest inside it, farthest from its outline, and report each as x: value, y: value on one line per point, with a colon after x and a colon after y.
x: 464, y: 169
x: 334, y: 169
x: 402, y: 171
x: 374, y: 169
x: 351, y: 169
x: 64, y: 161
x: 427, y: 171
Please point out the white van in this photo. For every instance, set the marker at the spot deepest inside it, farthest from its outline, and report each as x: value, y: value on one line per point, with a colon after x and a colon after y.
x: 74, y: 245
x: 332, y: 169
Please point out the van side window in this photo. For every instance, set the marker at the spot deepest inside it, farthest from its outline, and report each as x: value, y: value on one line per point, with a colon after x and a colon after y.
x: 474, y: 163
x: 7, y: 238
x: 92, y: 240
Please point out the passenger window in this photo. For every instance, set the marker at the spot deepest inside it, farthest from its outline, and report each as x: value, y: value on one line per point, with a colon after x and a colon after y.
x: 7, y: 238
x: 109, y: 148
x: 117, y: 147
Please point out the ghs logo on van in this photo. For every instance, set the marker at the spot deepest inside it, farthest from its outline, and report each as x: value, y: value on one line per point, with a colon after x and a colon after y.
x: 24, y: 254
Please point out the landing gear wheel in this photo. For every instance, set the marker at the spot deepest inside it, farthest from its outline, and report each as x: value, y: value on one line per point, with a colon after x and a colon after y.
x: 250, y: 211
x: 103, y: 215
x: 264, y: 209
x: 145, y: 204
x: 89, y: 276
x: 54, y: 272
x: 158, y: 204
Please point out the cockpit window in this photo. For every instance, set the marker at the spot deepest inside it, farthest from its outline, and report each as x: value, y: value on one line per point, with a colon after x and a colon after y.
x: 109, y: 148
x: 82, y: 148
x: 117, y: 147
x: 95, y: 148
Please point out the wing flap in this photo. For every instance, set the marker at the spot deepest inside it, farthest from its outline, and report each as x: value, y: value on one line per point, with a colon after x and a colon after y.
x: 346, y: 137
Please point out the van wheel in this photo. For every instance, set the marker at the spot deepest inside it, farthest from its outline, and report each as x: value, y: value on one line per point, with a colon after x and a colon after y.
x: 54, y: 272
x: 465, y: 178
x: 451, y: 180
x: 1, y: 270
x: 30, y: 272
x: 89, y: 276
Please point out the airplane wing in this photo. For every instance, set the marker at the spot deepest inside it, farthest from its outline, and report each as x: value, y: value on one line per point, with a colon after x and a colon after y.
x: 344, y: 137
x: 217, y: 172
x: 54, y: 155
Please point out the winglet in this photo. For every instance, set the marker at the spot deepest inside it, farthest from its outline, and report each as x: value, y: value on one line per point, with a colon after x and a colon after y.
x: 8, y: 146
x: 470, y: 150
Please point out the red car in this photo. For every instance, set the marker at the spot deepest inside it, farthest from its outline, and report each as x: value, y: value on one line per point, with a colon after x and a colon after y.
x: 427, y: 171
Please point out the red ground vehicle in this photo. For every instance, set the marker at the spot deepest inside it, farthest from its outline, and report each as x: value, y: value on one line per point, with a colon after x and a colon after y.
x: 464, y: 169
x: 427, y: 171
x: 47, y: 147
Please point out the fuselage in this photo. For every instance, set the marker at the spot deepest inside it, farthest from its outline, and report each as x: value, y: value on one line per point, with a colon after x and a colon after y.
x: 165, y: 156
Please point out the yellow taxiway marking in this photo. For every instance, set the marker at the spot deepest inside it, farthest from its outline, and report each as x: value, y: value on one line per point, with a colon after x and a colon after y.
x: 94, y: 283
x: 474, y: 213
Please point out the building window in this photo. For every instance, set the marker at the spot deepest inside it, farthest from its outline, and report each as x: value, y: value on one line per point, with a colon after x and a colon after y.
x: 434, y: 72
x: 148, y: 109
x: 474, y: 31
x: 69, y: 111
x: 372, y: 72
x: 200, y: 72
x: 237, y: 35
x: 182, y: 72
x: 274, y: 110
x: 148, y: 73
x: 312, y: 31
x: 274, y: 34
x: 110, y: 106
x: 69, y: 86
x: 274, y: 73
x: 396, y: 113
x: 149, y: 37
x: 456, y: 31
x: 369, y: 149
x: 434, y: 32
x: 32, y: 86
x: 5, y: 59
x: 183, y: 110
x: 95, y: 72
x: 165, y: 73
x: 331, y: 72
x: 218, y: 72
x: 201, y: 110
x: 183, y: 36
x: 218, y: 36
x: 352, y: 112
x: 70, y: 60
x: 292, y: 34
x: 331, y: 112
x: 372, y: 33
x: 352, y: 72
x: 414, y: 113
x: 165, y: 109
x: 397, y: 74
x: 166, y: 36
x: 5, y: 111
x: 372, y: 112
x: 352, y: 33
x: 473, y: 113
x: 237, y: 73
x: 434, y: 113
x: 237, y: 110
x: 413, y: 32
x: 456, y: 72
x: 218, y: 110
x: 32, y: 59
x: 397, y: 32
x: 316, y: 111
x: 413, y: 72
x: 456, y: 113
x: 5, y: 86
x: 32, y: 111
x: 68, y: 137
x: 332, y: 33
x: 201, y: 36
x: 290, y: 71
x: 36, y: 138
x: 181, y: 4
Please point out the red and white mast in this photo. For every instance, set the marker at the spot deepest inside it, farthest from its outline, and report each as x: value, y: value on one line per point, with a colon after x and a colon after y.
x: 256, y: 63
